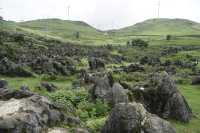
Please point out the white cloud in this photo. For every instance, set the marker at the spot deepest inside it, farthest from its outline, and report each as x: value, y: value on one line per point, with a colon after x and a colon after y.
x: 104, y: 14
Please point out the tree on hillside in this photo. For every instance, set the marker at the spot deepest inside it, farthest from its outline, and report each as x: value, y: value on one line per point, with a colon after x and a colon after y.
x: 77, y: 35
x: 168, y: 37
x: 128, y: 43
x: 139, y: 43
x: 1, y: 42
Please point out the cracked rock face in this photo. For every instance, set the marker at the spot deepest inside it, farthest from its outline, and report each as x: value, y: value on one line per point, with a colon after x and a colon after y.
x: 133, y: 118
x: 108, y: 91
x: 29, y: 115
x: 6, y: 94
x: 196, y: 80
x: 3, y: 83
x: 160, y: 96
x: 63, y: 130
x: 11, y: 107
x: 9, y: 68
x: 58, y: 130
x: 95, y: 63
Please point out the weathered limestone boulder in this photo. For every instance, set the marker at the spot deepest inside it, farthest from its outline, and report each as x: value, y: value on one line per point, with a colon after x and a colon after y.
x: 6, y: 93
x: 9, y: 68
x: 46, y: 65
x: 29, y: 115
x: 3, y: 83
x: 102, y: 87
x: 87, y: 77
x: 150, y: 60
x: 107, y: 90
x: 24, y: 88
x: 133, y: 118
x: 196, y: 80
x: 118, y: 58
x: 58, y: 130
x: 118, y: 94
x: 133, y: 68
x: 64, y: 130
x: 48, y: 86
x: 43, y: 65
x: 160, y: 96
x: 95, y: 63
x: 80, y: 130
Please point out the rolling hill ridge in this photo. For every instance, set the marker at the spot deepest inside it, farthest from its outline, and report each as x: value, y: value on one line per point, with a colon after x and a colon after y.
x: 65, y: 30
x: 61, y: 28
x: 162, y: 27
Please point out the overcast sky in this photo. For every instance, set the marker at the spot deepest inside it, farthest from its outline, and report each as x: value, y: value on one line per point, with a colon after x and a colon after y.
x: 102, y: 14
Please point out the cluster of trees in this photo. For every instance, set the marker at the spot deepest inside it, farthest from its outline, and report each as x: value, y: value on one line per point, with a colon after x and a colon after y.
x: 142, y: 43
x: 137, y: 43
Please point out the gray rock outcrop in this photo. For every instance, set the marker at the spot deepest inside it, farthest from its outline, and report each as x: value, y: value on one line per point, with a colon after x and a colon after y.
x: 160, y: 96
x: 133, y: 118
x: 30, y: 115
x: 107, y: 90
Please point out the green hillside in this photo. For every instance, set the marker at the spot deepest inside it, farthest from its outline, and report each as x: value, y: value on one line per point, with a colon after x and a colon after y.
x: 63, y: 28
x: 162, y: 27
x: 152, y: 30
x: 8, y: 25
x: 13, y: 27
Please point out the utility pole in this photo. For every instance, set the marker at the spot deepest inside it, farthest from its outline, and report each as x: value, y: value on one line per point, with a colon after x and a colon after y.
x: 158, y: 9
x: 68, y: 8
x: 1, y: 17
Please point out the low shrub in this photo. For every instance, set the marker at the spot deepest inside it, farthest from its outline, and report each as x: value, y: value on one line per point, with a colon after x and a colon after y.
x: 95, y: 125
x: 69, y: 99
x: 138, y: 43
x: 87, y: 110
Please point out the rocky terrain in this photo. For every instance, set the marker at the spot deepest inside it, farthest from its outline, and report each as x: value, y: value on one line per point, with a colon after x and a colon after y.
x: 133, y: 88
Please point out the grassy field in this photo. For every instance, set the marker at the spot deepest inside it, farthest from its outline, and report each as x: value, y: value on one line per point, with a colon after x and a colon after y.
x: 34, y: 82
x: 64, y: 29
x: 162, y: 26
x: 190, y: 92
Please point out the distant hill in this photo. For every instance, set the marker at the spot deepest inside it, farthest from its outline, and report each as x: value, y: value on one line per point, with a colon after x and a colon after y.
x: 8, y: 25
x: 161, y: 27
x: 65, y: 30
x: 62, y: 28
